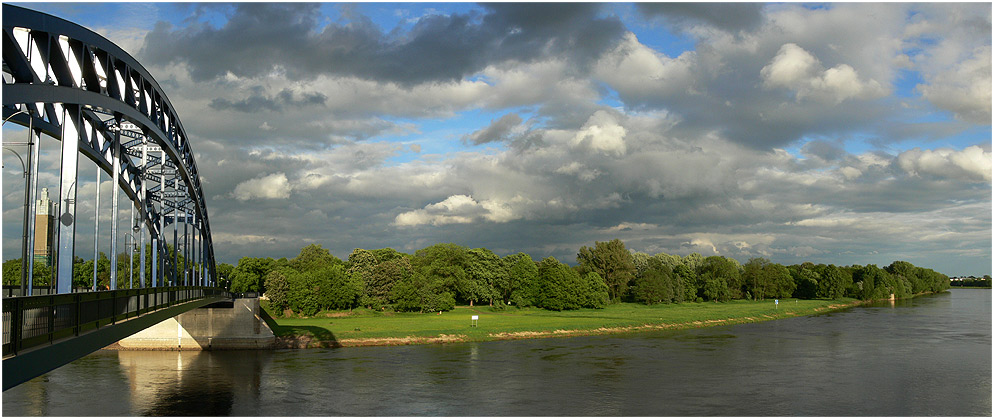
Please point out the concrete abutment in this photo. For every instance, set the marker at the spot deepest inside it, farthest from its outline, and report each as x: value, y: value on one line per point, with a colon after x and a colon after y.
x: 237, y: 325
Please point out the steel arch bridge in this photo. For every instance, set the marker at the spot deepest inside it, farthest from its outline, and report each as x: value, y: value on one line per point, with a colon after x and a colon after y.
x: 65, y: 81
x: 74, y: 85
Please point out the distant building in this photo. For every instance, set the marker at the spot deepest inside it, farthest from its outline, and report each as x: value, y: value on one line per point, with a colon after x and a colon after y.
x: 44, y: 228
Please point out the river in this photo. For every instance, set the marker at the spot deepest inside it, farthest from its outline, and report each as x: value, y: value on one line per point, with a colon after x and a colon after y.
x: 921, y: 357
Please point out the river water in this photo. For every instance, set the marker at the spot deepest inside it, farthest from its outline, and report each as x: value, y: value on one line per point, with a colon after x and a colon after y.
x: 926, y: 356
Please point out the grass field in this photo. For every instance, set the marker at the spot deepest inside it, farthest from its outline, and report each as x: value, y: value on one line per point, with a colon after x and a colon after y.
x: 366, y: 327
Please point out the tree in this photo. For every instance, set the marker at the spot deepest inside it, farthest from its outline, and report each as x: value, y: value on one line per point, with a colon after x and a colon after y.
x: 725, y: 269
x: 669, y: 260
x: 447, y: 263
x: 82, y: 273
x: 905, y: 270
x: 658, y: 283
x: 612, y: 262
x: 561, y: 288
x: 783, y: 285
x: 757, y: 278
x: 383, y: 278
x: 806, y: 280
x: 693, y: 261
x: 834, y: 281
x: 302, y: 292
x: 655, y: 286
x: 422, y: 293
x: 313, y: 257
x: 690, y: 282
x: 278, y: 290
x: 249, y: 275
x: 387, y: 254
x: 489, y: 273
x: 338, y: 290
x: 361, y: 261
x: 715, y: 287
x: 641, y: 262
x: 12, y: 272
x: 596, y: 292
x: 873, y: 283
x: 41, y: 272
x: 523, y: 279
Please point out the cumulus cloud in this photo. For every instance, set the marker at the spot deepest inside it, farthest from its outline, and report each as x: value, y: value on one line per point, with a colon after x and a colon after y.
x: 641, y: 73
x: 965, y: 88
x: 972, y: 164
x: 260, y: 38
x: 273, y: 186
x: 601, y: 133
x: 332, y: 125
x: 796, y: 69
x: 456, y: 209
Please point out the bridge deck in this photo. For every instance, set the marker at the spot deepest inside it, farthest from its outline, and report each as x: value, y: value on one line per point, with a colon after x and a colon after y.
x: 42, y: 333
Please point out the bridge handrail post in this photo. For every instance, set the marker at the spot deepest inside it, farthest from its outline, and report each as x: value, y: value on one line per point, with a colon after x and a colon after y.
x: 17, y: 326
x: 79, y: 314
x: 51, y: 317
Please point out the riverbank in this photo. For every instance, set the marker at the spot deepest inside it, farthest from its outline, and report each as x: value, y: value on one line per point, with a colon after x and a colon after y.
x: 372, y: 328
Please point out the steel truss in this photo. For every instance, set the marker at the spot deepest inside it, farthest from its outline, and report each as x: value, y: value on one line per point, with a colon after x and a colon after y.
x: 74, y: 85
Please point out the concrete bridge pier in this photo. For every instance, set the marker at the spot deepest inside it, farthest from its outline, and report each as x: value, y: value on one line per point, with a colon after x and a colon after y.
x: 226, y: 325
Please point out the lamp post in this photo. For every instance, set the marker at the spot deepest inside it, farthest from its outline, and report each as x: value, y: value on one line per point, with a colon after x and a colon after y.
x: 28, y: 224
x: 131, y: 255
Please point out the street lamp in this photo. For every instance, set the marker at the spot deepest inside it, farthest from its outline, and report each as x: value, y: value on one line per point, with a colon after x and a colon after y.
x: 131, y: 256
x: 26, y: 262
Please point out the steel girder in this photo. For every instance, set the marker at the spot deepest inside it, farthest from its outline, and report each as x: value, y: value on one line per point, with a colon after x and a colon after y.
x: 61, y: 77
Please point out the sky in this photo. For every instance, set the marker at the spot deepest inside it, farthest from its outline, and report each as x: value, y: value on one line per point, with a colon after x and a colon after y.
x: 843, y: 133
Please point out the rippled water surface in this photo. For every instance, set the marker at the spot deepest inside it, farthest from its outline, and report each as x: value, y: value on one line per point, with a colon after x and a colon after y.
x: 927, y: 356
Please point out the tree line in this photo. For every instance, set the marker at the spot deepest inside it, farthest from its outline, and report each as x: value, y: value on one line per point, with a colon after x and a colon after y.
x: 440, y: 276
x: 972, y: 281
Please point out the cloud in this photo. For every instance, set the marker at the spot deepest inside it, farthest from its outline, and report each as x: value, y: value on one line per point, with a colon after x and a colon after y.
x: 456, y: 209
x: 972, y: 164
x: 332, y: 135
x: 601, y: 133
x: 726, y: 16
x: 263, y: 38
x: 965, y: 88
x: 273, y: 186
x: 499, y: 130
x: 642, y: 74
x: 798, y: 70
x: 259, y: 102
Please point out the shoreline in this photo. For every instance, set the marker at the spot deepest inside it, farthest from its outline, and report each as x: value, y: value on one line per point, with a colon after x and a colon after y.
x: 308, y: 342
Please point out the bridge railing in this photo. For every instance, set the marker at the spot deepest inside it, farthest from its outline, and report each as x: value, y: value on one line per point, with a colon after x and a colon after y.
x: 38, y: 320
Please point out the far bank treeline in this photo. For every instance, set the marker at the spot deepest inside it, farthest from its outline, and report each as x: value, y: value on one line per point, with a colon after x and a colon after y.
x: 438, y: 277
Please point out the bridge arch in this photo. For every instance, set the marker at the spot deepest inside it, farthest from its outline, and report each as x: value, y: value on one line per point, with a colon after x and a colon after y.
x: 81, y: 89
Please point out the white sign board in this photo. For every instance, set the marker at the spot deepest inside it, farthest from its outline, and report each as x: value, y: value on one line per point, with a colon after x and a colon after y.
x: 476, y: 317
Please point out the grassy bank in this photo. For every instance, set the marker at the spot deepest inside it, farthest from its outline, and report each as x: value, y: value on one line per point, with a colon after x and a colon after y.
x: 367, y: 327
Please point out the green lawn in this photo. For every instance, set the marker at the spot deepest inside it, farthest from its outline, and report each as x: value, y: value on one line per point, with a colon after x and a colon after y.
x: 352, y: 328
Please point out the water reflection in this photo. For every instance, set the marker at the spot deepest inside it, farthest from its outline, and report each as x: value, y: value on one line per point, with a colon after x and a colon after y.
x: 930, y: 356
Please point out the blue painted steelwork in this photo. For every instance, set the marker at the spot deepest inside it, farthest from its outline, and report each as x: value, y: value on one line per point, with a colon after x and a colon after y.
x: 78, y: 87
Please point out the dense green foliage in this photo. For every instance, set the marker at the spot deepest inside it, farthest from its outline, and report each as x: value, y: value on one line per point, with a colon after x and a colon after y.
x: 441, y: 276
x: 984, y: 282
x: 612, y: 262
